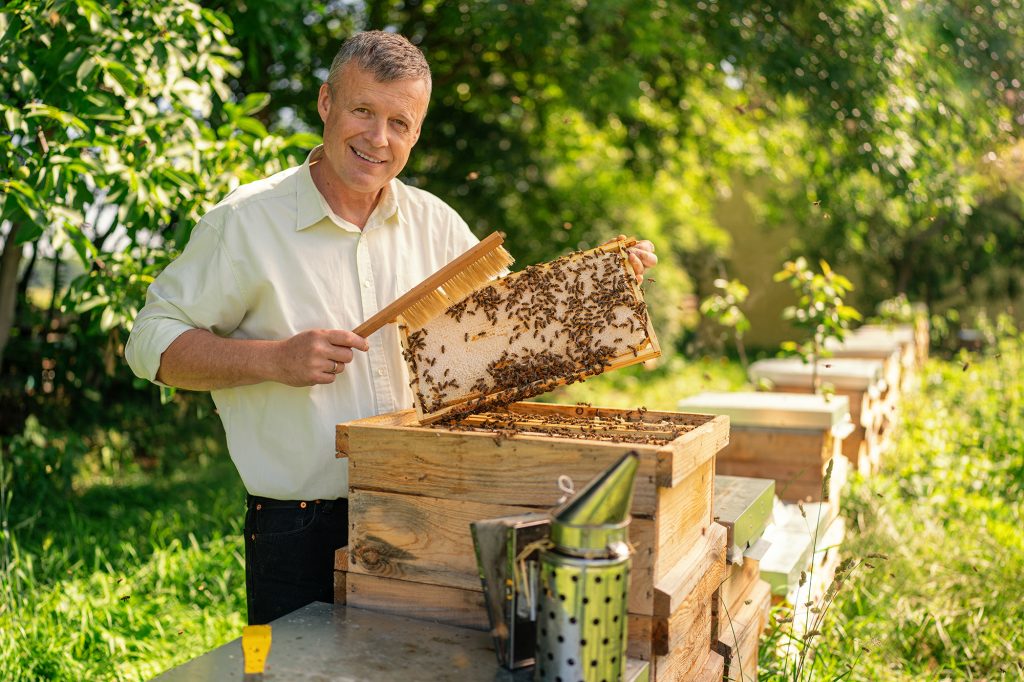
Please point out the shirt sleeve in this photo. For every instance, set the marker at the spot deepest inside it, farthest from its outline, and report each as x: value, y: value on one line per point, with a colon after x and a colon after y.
x: 198, y: 290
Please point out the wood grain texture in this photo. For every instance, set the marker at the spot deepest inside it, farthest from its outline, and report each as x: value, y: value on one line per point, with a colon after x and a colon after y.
x: 451, y: 605
x: 690, y: 654
x: 684, y: 513
x: 713, y: 669
x: 428, y: 540
x: 416, y: 538
x: 339, y: 587
x: 741, y: 634
x: 738, y: 584
x: 705, y: 556
x: 685, y: 454
x: 479, y: 467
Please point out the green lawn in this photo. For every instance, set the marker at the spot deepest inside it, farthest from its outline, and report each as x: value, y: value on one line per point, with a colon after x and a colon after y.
x: 134, y: 571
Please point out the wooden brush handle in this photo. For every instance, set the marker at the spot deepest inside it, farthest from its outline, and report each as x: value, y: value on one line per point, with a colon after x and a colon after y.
x: 403, y: 302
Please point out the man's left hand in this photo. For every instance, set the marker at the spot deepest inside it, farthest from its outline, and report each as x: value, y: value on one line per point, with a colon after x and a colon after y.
x: 641, y: 257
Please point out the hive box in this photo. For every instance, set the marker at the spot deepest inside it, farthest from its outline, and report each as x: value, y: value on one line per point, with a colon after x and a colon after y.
x: 859, y: 380
x: 903, y: 335
x: 415, y: 489
x: 788, y: 437
x: 887, y: 350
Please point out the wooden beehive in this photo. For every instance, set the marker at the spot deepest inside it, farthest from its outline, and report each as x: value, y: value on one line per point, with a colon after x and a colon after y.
x: 860, y: 381
x: 888, y: 351
x: 787, y: 437
x: 743, y: 506
x: 414, y: 489
x: 526, y: 333
x: 906, y: 340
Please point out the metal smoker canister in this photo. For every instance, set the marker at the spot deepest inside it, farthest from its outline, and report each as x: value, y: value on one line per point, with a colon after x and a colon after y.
x: 584, y: 583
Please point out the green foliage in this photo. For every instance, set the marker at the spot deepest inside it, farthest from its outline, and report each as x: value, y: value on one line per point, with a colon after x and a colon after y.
x: 723, y: 306
x: 657, y: 388
x: 124, y: 106
x: 947, y: 511
x: 820, y: 309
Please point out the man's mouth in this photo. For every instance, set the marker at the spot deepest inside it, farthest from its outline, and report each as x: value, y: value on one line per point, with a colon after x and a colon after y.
x: 365, y: 157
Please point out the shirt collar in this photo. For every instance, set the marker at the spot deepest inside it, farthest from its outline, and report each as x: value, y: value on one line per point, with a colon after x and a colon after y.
x: 313, y: 207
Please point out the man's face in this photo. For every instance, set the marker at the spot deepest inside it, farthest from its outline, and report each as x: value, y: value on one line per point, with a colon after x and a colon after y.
x: 370, y: 127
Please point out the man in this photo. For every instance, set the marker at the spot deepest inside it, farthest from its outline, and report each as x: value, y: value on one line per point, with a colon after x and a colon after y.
x: 258, y: 307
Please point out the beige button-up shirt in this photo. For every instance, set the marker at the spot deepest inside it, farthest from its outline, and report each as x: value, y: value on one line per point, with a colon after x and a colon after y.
x: 271, y: 260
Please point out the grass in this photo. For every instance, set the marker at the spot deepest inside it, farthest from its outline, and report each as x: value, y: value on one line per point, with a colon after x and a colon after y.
x: 126, y: 576
x: 946, y: 511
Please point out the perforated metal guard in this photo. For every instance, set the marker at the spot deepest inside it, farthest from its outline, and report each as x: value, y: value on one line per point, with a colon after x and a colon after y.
x: 581, y: 620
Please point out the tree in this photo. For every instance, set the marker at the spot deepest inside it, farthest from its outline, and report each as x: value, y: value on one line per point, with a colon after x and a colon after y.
x: 122, y: 105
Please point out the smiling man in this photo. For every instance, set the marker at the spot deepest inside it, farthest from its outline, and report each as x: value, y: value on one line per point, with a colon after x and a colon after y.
x: 257, y: 310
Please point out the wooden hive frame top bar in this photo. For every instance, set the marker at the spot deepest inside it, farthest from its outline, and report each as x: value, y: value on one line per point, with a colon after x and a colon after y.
x: 529, y: 332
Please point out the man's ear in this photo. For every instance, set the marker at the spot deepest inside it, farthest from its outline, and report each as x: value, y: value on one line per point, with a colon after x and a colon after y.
x: 323, y: 102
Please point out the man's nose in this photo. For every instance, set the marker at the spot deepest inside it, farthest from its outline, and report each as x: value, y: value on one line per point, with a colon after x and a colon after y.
x: 378, y: 133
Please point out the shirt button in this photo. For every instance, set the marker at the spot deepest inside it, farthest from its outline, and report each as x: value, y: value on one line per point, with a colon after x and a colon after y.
x: 367, y: 283
x: 380, y: 371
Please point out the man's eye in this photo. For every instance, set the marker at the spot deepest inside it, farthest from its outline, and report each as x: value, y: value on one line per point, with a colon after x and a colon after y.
x: 400, y: 124
x: 361, y: 110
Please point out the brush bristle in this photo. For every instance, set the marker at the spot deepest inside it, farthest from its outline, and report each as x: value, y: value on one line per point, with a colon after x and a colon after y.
x: 457, y: 287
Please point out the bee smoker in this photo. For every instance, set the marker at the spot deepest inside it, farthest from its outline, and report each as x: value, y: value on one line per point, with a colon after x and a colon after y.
x: 584, y: 582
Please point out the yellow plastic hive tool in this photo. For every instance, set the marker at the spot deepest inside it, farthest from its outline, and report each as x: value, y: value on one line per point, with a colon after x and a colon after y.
x: 255, y: 648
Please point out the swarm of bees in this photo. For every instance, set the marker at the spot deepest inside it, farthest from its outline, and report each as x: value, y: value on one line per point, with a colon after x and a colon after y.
x: 526, y: 333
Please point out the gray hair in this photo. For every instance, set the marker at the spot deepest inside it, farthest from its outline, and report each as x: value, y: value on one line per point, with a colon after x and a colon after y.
x: 388, y: 56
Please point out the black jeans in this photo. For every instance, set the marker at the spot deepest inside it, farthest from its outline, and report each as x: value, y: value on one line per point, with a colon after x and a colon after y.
x: 289, y: 554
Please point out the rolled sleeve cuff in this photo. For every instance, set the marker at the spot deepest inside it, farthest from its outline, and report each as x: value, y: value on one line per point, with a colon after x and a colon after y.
x: 147, y: 343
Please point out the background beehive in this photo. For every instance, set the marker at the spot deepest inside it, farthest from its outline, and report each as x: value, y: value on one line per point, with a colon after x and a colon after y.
x: 414, y: 490
x: 526, y: 333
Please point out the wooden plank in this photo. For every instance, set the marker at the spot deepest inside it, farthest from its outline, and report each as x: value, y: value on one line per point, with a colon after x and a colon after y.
x: 681, y: 457
x: 341, y: 558
x: 428, y: 540
x: 684, y: 513
x: 737, y: 586
x: 740, y: 639
x: 415, y: 538
x: 713, y: 669
x: 793, y: 446
x: 339, y: 587
x: 691, y: 653
x: 451, y: 605
x: 707, y: 555
x: 475, y: 467
x: 665, y: 633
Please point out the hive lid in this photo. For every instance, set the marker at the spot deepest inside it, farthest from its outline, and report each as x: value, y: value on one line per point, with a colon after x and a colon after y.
x: 903, y: 333
x: 867, y: 346
x: 773, y: 410
x: 853, y: 374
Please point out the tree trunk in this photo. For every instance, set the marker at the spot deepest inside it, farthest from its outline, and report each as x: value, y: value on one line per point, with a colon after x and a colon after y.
x: 9, y: 262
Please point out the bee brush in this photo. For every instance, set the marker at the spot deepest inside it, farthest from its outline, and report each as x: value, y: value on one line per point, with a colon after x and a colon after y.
x: 444, y: 288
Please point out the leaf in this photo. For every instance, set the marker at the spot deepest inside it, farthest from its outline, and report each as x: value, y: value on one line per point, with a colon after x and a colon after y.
x: 252, y: 126
x: 253, y: 103
x: 36, y: 110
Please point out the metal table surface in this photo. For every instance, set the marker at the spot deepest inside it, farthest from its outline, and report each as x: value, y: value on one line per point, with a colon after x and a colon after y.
x: 322, y: 642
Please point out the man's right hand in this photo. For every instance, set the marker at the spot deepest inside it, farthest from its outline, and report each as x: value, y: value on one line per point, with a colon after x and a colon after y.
x: 316, y: 356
